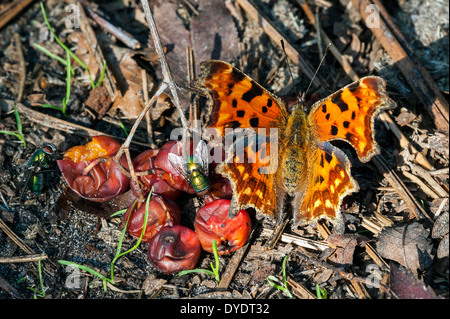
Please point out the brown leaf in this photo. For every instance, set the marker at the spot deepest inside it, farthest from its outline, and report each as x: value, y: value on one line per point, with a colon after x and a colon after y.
x: 440, y: 229
x: 408, y: 245
x: 344, y: 245
x: 405, y: 117
x: 127, y: 72
x: 99, y: 100
x: 406, y: 286
x: 442, y: 250
x: 214, y: 34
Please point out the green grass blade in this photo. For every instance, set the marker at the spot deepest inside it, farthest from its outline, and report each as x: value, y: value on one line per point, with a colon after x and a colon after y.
x: 118, y: 255
x: 51, y: 106
x: 85, y: 268
x: 50, y: 54
x: 19, y: 133
x: 185, y: 272
x: 19, y: 125
x: 118, y: 213
x: 68, y: 83
x: 11, y: 133
x: 272, y: 279
x: 102, y: 75
x: 321, y: 293
x: 65, y: 47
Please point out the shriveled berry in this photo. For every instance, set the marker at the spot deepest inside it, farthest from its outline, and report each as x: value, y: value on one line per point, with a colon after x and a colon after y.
x: 161, y: 212
x: 212, y: 223
x: 91, y: 172
x: 146, y: 161
x: 174, y: 249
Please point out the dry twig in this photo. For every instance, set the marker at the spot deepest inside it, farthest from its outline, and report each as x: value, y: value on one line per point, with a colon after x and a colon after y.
x: 403, y: 56
x: 168, y: 82
x: 12, y: 10
x: 276, y: 36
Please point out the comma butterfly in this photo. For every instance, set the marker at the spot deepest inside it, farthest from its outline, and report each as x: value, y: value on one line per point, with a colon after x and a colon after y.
x: 310, y: 169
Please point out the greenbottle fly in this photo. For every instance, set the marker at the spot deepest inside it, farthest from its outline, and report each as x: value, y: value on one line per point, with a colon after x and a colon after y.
x: 38, y: 168
x: 194, y: 169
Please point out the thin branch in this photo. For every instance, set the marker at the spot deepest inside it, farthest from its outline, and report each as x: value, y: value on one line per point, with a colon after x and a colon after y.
x: 167, y: 75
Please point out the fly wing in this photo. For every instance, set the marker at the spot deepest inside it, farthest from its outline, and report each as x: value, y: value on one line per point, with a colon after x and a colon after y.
x: 201, y: 154
x: 179, y: 164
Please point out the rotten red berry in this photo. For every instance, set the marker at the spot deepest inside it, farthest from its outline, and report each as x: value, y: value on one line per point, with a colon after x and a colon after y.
x: 212, y: 223
x: 146, y: 161
x: 171, y: 175
x: 174, y: 249
x: 161, y: 212
x: 91, y: 172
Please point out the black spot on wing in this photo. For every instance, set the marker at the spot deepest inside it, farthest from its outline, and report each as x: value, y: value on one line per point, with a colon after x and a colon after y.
x: 334, y: 130
x: 240, y: 113
x: 337, y: 99
x: 233, y: 124
x: 319, y: 179
x: 253, y: 92
x: 254, y: 122
x: 236, y: 76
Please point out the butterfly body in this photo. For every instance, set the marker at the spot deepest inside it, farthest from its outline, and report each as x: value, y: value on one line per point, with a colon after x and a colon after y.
x: 293, y: 155
x: 302, y: 161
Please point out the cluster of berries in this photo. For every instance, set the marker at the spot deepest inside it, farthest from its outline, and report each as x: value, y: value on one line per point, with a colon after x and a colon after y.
x: 91, y: 172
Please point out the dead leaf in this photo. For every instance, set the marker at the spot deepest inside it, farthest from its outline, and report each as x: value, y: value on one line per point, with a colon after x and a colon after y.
x: 127, y: 73
x: 214, y: 35
x: 163, y: 103
x: 440, y: 229
x: 442, y: 250
x: 99, y: 100
x: 406, y: 286
x: 405, y: 117
x: 151, y: 284
x: 83, y: 52
x: 344, y: 245
x: 408, y: 245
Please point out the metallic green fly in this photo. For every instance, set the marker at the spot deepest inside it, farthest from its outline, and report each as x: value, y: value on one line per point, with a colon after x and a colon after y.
x: 194, y: 168
x: 38, y: 166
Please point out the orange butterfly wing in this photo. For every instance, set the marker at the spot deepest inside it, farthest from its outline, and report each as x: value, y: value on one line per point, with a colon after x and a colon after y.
x: 251, y: 186
x: 240, y: 102
x: 349, y: 114
x: 329, y: 181
x: 237, y: 100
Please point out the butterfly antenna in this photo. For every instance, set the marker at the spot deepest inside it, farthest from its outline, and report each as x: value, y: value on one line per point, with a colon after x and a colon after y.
x: 288, y: 64
x: 302, y: 98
